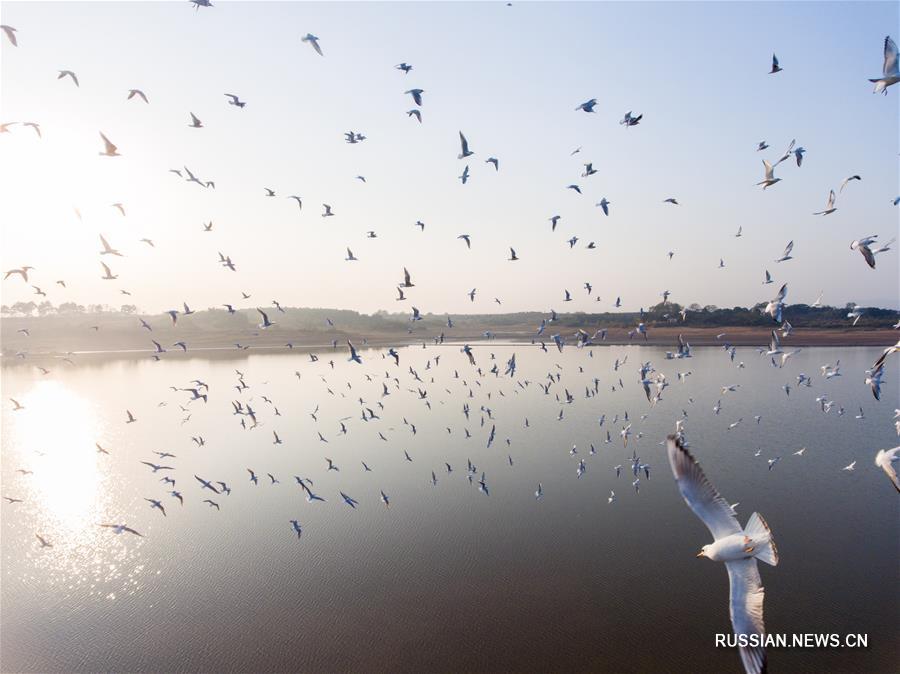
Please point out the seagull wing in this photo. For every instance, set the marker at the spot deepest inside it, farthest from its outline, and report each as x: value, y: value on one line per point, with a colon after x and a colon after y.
x: 464, y: 143
x: 885, y: 459
x: 699, y: 493
x: 746, y: 608
x: 110, y: 148
x: 890, y: 58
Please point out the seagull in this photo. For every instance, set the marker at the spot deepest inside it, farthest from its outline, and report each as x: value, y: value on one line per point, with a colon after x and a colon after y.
x: 195, y: 122
x: 313, y: 41
x: 121, y: 529
x: 266, y: 322
x: 770, y: 178
x: 44, y: 542
x: 464, y: 144
x: 465, y: 175
x: 109, y: 149
x: 494, y: 161
x: 350, y: 257
x: 628, y: 120
x: 512, y: 255
x: 156, y: 504
x: 762, y: 146
x: 539, y: 494
x: 353, y: 355
x: 63, y: 73
x: 234, y: 100
x: 671, y: 200
x: 108, y: 275
x: 829, y: 205
x: 587, y: 106
x: 604, y: 204
x: 417, y: 97
x: 137, y: 92
x: 327, y: 213
x: 850, y: 466
x: 107, y: 249
x: 845, y: 181
x: 786, y: 255
x: 885, y: 459
x: 890, y: 71
x: 11, y: 34
x: 862, y: 245
x: 775, y: 67
x: 405, y: 67
x: 738, y: 547
x: 415, y: 113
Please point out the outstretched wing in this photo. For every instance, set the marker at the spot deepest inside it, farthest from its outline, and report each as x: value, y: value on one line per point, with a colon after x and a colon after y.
x: 699, y: 493
x: 746, y: 608
x: 890, y: 58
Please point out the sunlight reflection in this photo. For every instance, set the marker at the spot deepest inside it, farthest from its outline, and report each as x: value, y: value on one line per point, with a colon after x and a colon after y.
x: 55, y: 438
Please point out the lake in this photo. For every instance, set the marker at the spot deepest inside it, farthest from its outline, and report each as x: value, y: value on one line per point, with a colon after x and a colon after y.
x: 448, y: 578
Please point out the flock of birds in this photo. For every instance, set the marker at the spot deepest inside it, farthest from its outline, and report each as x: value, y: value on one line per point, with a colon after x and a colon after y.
x: 739, y: 547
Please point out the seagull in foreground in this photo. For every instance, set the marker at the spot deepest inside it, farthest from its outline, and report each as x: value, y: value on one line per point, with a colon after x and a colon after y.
x: 738, y: 548
x: 313, y: 41
x: 885, y: 459
x: 890, y: 71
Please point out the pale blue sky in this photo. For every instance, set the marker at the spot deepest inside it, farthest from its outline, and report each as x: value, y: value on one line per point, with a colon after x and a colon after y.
x: 510, y: 78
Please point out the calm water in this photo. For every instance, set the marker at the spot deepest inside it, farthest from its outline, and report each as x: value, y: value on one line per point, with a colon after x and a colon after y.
x: 448, y: 578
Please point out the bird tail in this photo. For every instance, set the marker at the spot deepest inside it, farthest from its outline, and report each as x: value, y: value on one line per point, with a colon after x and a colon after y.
x: 764, y: 545
x: 879, y: 85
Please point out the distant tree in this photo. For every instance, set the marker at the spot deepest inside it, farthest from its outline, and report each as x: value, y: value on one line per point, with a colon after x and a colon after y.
x: 128, y: 309
x: 24, y: 308
x: 45, y: 308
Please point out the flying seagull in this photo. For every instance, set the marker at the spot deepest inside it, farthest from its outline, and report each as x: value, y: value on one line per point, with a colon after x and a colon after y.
x: 313, y: 41
x: 11, y: 34
x: 829, y: 205
x: 738, y: 547
x: 775, y: 67
x: 137, y: 92
x: 770, y: 178
x: 465, y: 147
x: 890, y: 71
x: 235, y: 101
x: 417, y: 96
x: 109, y: 149
x: 63, y: 73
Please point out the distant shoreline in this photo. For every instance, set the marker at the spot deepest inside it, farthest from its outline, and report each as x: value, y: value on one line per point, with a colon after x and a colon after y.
x: 271, y: 342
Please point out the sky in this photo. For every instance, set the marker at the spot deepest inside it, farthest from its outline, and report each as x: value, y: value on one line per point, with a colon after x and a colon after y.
x: 510, y: 78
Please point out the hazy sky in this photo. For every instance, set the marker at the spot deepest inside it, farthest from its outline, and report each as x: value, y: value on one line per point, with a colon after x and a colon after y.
x: 510, y: 79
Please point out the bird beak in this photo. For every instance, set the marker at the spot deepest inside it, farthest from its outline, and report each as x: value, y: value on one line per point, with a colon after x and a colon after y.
x: 700, y: 554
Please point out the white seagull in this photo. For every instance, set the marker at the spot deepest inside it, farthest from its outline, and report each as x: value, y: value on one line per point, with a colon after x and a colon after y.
x: 890, y: 71
x: 738, y: 547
